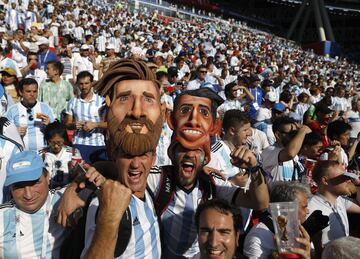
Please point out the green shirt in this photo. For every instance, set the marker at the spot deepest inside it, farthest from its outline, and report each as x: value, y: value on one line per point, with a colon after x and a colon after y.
x: 56, y: 95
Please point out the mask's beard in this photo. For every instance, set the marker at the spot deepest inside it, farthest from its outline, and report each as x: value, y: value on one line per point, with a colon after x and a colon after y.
x: 133, y: 144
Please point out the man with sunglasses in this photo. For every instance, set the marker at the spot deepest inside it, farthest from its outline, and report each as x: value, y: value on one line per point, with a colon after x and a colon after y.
x: 201, y: 72
x: 30, y: 116
x: 334, y: 185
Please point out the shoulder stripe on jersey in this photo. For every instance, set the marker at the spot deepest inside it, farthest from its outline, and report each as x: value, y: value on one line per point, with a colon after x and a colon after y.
x: 8, y: 204
x: 216, y: 147
x: 155, y: 170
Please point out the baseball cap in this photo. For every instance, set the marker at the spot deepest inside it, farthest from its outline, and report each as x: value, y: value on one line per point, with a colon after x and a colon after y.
x: 84, y: 47
x: 9, y: 70
x: 24, y: 166
x: 279, y: 107
x: 271, y: 96
x: 42, y: 41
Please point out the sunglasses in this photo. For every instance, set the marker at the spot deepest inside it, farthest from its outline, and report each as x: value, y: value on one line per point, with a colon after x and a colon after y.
x: 203, y: 71
x: 31, y: 117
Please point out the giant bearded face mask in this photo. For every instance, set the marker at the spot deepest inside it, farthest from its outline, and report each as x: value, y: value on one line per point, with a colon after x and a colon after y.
x: 133, y: 114
x: 134, y: 121
x: 193, y: 122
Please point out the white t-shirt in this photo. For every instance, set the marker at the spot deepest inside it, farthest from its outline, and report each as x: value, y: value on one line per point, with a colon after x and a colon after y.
x: 338, y: 220
x: 258, y: 141
x: 259, y: 242
x: 83, y: 64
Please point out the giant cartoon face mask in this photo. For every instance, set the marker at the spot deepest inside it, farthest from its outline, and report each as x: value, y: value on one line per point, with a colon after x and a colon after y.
x: 192, y: 120
x: 134, y: 121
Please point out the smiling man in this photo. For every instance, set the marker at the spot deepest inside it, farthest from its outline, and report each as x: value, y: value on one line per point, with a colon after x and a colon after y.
x: 217, y: 229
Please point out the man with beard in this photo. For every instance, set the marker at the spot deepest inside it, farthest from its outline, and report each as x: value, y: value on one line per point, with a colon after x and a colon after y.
x: 134, y: 127
x: 83, y: 114
x: 193, y: 122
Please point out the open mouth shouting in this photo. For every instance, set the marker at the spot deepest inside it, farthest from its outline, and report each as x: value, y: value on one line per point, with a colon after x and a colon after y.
x: 187, y: 169
x: 134, y: 177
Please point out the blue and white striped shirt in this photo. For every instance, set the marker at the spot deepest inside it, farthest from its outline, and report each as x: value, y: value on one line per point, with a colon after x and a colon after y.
x: 145, y: 235
x: 82, y: 111
x: 178, y: 220
x: 21, y: 233
x: 19, y: 115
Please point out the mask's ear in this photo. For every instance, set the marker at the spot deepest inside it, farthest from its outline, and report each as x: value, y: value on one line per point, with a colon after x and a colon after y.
x: 216, y: 127
x: 170, y: 120
x: 107, y: 101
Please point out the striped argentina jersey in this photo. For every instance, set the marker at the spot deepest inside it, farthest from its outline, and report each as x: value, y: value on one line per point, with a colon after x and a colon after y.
x: 178, y: 220
x: 145, y: 234
x: 82, y: 111
x: 26, y: 117
x: 7, y: 149
x: 220, y: 159
x: 22, y: 236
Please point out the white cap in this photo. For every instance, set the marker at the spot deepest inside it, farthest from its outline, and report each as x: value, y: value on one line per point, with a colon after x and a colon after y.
x: 271, y: 96
x: 84, y: 47
x: 2, y: 29
x: 110, y: 46
x: 42, y: 41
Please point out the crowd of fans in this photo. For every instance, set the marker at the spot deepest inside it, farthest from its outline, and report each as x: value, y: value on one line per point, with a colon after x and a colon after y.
x: 283, y: 124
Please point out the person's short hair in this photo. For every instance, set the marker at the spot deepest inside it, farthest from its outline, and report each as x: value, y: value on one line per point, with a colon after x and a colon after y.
x: 31, y: 54
x: 161, y: 74
x: 56, y: 128
x: 200, y: 67
x: 285, y: 96
x: 57, y: 65
x: 234, y: 118
x: 26, y: 81
x: 322, y: 168
x: 288, y: 191
x: 215, y: 99
x: 323, y: 107
x: 219, y: 205
x: 337, y: 128
x: 311, y: 139
x: 228, y: 89
x: 344, y: 248
x: 84, y: 74
x: 280, y: 122
x: 243, y: 79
